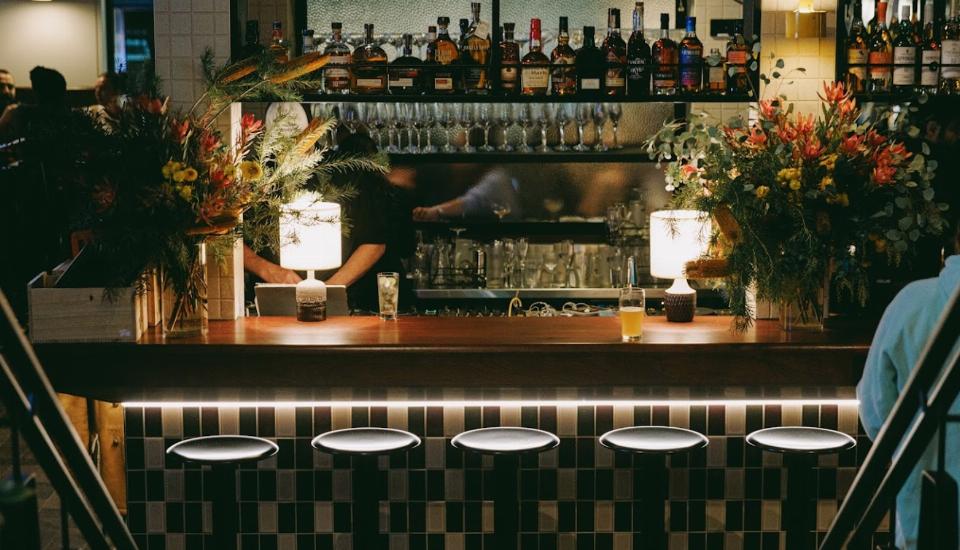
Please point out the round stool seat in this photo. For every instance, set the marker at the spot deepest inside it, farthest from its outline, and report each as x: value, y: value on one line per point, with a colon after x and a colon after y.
x: 505, y: 441
x: 223, y: 449
x: 801, y: 439
x: 365, y: 441
x: 653, y: 439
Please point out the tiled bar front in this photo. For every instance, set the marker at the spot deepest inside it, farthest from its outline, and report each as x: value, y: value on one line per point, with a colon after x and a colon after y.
x: 727, y: 496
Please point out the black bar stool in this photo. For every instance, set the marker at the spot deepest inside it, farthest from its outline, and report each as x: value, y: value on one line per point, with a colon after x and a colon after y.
x: 365, y: 445
x: 651, y: 444
x: 506, y: 444
x: 223, y: 453
x: 800, y: 446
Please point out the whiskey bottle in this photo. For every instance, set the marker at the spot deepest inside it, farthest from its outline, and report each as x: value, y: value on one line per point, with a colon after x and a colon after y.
x: 615, y: 54
x: 278, y: 45
x: 666, y: 56
x: 716, y: 73
x: 857, y: 52
x: 535, y: 66
x: 509, y: 61
x: 739, y: 55
x: 950, y: 54
x: 403, y: 76
x: 445, y: 55
x: 880, y: 58
x: 477, y: 56
x: 369, y: 75
x: 563, y: 79
x: 430, y: 55
x: 691, y: 59
x: 905, y: 54
x: 336, y: 75
x: 590, y: 66
x: 307, y: 45
x: 638, y: 57
x: 930, y: 56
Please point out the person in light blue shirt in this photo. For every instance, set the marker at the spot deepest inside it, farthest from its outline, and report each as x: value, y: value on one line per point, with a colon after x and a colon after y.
x: 907, y: 324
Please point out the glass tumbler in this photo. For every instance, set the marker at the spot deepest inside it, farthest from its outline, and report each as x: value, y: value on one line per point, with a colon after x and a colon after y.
x: 632, y: 313
x: 388, y: 291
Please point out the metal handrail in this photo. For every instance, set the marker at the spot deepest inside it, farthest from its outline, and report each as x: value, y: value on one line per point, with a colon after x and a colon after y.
x: 28, y: 394
x: 882, y: 473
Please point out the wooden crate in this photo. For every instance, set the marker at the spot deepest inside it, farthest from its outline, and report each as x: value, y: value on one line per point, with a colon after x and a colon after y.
x: 84, y: 314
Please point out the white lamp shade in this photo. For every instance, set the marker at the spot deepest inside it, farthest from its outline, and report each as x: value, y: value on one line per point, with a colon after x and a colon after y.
x: 310, y: 234
x: 677, y: 237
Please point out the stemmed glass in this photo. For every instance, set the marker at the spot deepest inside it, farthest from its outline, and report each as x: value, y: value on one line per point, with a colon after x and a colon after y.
x: 615, y: 111
x: 501, y: 210
x: 509, y: 263
x: 485, y: 120
x: 450, y: 122
x: 504, y: 115
x: 564, y: 116
x: 392, y: 122
x: 429, y: 113
x: 584, y: 111
x: 408, y: 113
x: 544, y: 116
x: 469, y: 120
x: 599, y: 117
x: 349, y: 113
x: 367, y: 114
x: 523, y: 247
x: 525, y: 118
x: 379, y: 122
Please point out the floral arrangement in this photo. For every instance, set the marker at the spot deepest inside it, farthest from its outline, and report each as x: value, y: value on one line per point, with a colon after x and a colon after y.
x: 802, y: 202
x: 160, y: 184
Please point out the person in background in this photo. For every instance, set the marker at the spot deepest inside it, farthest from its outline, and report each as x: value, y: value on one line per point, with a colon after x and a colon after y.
x: 903, y: 332
x: 496, y: 191
x: 372, y: 244
x: 8, y: 90
x: 109, y: 93
x: 46, y: 113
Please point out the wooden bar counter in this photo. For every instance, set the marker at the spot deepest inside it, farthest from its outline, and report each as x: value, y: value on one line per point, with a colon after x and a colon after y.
x: 260, y: 358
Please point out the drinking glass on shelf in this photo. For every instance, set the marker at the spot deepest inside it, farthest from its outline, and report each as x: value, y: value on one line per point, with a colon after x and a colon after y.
x: 368, y: 112
x: 450, y: 122
x: 615, y: 111
x: 632, y: 313
x: 504, y: 115
x: 599, y: 117
x: 501, y: 210
x: 583, y: 114
x: 523, y: 247
x: 565, y: 113
x: 348, y: 111
x: 485, y: 120
x: 390, y: 118
x: 544, y: 117
x: 388, y: 291
x: 408, y: 113
x: 509, y: 262
x: 379, y: 122
x: 429, y: 113
x: 525, y: 118
x: 468, y: 118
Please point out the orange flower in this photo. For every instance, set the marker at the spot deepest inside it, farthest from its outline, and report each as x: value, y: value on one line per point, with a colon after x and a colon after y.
x: 846, y: 108
x: 688, y: 170
x: 804, y: 125
x: 812, y: 149
x: 757, y: 138
x: 180, y: 129
x: 852, y: 145
x: 883, y: 173
x: 834, y: 92
x: 209, y: 142
x: 875, y: 139
x: 769, y: 108
x: 250, y: 124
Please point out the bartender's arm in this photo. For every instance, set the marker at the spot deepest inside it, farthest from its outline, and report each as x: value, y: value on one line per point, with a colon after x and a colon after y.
x: 358, y: 264
x: 267, y: 270
x: 451, y: 209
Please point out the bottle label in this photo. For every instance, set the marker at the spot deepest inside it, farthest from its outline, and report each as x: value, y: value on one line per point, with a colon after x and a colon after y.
x: 857, y: 56
x: 615, y: 79
x: 716, y: 76
x: 563, y: 79
x: 689, y: 57
x: 690, y: 77
x: 904, y: 74
x: 737, y: 57
x: 401, y: 82
x: 508, y: 78
x: 880, y: 62
x: 336, y: 73
x: 637, y: 70
x: 904, y: 55
x: 929, y: 76
x: 535, y: 77
x: 857, y: 74
x: 950, y: 54
x: 446, y: 56
x: 370, y: 83
x: 443, y: 83
x: 665, y: 78
x: 589, y: 83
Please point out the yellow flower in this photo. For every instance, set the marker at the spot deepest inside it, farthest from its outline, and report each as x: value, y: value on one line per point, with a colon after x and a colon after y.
x: 827, y: 181
x: 186, y: 192
x: 795, y: 185
x: 167, y: 170
x: 761, y: 191
x: 179, y: 176
x: 251, y: 170
x: 229, y: 170
x: 829, y: 162
x: 842, y: 199
x: 190, y: 174
x: 788, y: 175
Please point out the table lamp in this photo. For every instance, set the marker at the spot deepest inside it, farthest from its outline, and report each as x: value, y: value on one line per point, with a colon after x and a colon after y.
x: 677, y: 237
x: 309, y: 241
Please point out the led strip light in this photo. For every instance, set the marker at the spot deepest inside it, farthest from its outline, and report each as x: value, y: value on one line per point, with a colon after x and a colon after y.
x: 493, y: 403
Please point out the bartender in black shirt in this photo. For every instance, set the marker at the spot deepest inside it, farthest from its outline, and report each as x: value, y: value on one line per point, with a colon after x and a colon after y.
x: 368, y: 248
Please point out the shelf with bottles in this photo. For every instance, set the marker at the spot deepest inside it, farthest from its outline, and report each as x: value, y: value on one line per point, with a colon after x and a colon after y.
x: 500, y: 98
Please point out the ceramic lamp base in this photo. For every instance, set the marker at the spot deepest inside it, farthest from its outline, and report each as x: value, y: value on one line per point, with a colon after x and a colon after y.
x: 680, y: 307
x: 311, y: 299
x: 312, y: 311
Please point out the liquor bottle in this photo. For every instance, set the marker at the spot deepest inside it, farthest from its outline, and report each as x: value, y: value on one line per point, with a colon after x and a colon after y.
x: 880, y: 58
x: 403, y: 76
x: 691, y: 59
x: 905, y: 54
x: 930, y: 56
x: 336, y: 75
x: 251, y: 46
x: 476, y: 54
x: 666, y: 57
x: 615, y: 54
x: 430, y: 56
x: 563, y: 79
x: 738, y: 58
x: 462, y: 39
x: 278, y: 45
x: 509, y: 61
x: 638, y: 57
x: 445, y: 54
x: 307, y: 45
x: 857, y: 52
x: 950, y: 54
x: 369, y: 74
x: 535, y: 66
x: 716, y: 73
x: 590, y: 66
x: 893, y: 26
